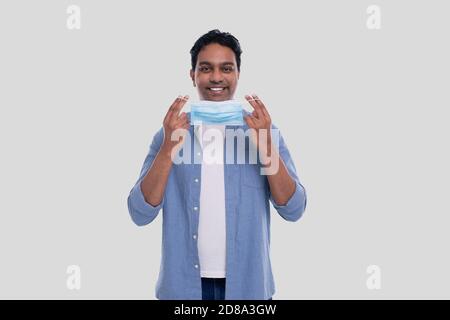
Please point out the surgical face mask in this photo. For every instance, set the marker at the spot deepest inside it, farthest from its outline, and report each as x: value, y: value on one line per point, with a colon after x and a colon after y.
x: 228, y: 112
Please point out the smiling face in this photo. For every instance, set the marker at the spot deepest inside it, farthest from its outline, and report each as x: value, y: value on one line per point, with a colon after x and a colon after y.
x: 215, y: 75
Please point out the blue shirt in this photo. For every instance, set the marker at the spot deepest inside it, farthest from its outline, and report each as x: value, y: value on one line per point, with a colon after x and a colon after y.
x: 247, y: 197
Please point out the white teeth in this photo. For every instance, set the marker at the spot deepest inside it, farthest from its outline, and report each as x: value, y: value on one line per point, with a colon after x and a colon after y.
x: 216, y: 89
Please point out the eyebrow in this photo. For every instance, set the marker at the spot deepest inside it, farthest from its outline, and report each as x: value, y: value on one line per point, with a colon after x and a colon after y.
x: 210, y: 64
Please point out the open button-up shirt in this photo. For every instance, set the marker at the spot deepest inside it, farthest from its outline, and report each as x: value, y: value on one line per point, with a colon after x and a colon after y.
x: 247, y: 201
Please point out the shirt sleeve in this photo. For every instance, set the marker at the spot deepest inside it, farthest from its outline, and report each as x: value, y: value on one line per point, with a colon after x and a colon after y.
x: 296, y: 205
x: 141, y: 211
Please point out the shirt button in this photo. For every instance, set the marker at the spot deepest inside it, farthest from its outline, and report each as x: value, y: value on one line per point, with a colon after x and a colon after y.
x: 194, y: 236
x: 196, y: 266
x: 196, y: 180
x: 195, y: 208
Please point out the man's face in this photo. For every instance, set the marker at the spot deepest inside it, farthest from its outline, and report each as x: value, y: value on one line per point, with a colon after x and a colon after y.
x: 215, y: 75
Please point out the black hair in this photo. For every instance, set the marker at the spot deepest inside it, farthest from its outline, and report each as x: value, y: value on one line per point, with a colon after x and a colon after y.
x: 216, y: 36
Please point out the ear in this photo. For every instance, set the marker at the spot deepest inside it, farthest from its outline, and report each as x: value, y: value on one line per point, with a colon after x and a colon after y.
x: 191, y: 74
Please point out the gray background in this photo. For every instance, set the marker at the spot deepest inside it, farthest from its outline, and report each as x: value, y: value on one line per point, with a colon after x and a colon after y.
x: 364, y: 113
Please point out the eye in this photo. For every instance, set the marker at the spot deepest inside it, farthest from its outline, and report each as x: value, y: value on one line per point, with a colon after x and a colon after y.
x: 204, y: 69
x: 227, y: 69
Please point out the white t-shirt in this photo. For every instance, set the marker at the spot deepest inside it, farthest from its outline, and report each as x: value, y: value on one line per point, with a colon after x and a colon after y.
x: 212, y: 227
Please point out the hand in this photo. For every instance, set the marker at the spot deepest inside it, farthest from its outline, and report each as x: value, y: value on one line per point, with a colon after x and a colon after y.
x: 257, y: 120
x: 175, y: 120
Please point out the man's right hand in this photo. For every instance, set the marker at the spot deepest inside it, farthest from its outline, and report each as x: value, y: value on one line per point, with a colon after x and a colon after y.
x: 172, y: 121
x: 154, y: 183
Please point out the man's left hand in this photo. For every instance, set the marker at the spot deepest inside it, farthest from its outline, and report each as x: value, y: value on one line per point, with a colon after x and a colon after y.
x: 257, y: 120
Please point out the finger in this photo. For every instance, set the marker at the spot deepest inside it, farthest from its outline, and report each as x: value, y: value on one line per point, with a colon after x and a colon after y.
x: 177, y: 108
x: 182, y: 118
x: 252, y: 103
x: 172, y: 106
x: 261, y: 104
x: 250, y: 121
x: 255, y: 106
x: 182, y: 115
x: 184, y: 125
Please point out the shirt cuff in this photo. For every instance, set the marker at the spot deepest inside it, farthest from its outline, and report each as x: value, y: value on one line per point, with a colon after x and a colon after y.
x: 141, y: 211
x: 294, y: 208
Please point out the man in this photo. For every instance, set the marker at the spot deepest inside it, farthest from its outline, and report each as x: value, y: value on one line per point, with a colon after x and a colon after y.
x: 216, y: 217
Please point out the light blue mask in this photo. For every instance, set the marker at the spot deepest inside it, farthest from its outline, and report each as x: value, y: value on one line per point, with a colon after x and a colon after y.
x: 228, y: 112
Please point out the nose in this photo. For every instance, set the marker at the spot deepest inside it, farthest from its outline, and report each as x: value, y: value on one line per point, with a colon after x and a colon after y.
x: 216, y: 77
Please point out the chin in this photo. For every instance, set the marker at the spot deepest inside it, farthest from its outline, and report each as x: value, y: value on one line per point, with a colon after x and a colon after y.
x: 218, y: 98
